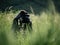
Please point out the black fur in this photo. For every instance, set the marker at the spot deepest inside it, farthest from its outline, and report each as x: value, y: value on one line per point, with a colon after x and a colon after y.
x: 22, y: 21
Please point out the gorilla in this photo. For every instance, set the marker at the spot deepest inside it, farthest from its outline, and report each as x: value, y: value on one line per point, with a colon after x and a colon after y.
x: 22, y: 21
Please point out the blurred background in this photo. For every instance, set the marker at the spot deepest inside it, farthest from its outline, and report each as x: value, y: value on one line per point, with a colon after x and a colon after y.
x: 36, y: 5
x: 45, y: 17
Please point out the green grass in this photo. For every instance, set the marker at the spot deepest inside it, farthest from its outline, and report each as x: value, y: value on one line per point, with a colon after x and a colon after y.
x: 46, y: 30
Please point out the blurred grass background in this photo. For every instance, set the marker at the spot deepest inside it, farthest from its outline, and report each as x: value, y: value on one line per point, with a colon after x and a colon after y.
x: 46, y: 28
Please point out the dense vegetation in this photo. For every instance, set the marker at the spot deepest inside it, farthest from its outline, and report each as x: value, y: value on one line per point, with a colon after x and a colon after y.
x: 46, y: 26
x: 46, y: 30
x: 19, y: 4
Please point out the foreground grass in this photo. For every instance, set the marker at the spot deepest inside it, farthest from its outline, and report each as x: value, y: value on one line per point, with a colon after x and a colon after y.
x: 45, y: 30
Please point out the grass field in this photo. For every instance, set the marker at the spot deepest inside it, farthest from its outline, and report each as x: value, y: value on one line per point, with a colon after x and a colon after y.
x: 46, y: 29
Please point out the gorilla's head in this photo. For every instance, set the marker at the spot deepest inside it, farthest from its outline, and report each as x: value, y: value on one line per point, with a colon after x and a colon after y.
x: 23, y: 12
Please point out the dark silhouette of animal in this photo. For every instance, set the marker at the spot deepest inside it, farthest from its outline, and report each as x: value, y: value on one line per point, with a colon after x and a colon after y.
x: 22, y: 21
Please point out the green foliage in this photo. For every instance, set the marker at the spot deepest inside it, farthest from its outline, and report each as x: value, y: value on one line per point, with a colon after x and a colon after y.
x: 45, y: 30
x: 6, y: 4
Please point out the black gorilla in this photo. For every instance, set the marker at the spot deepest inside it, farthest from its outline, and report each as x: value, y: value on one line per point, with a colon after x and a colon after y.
x: 22, y: 21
